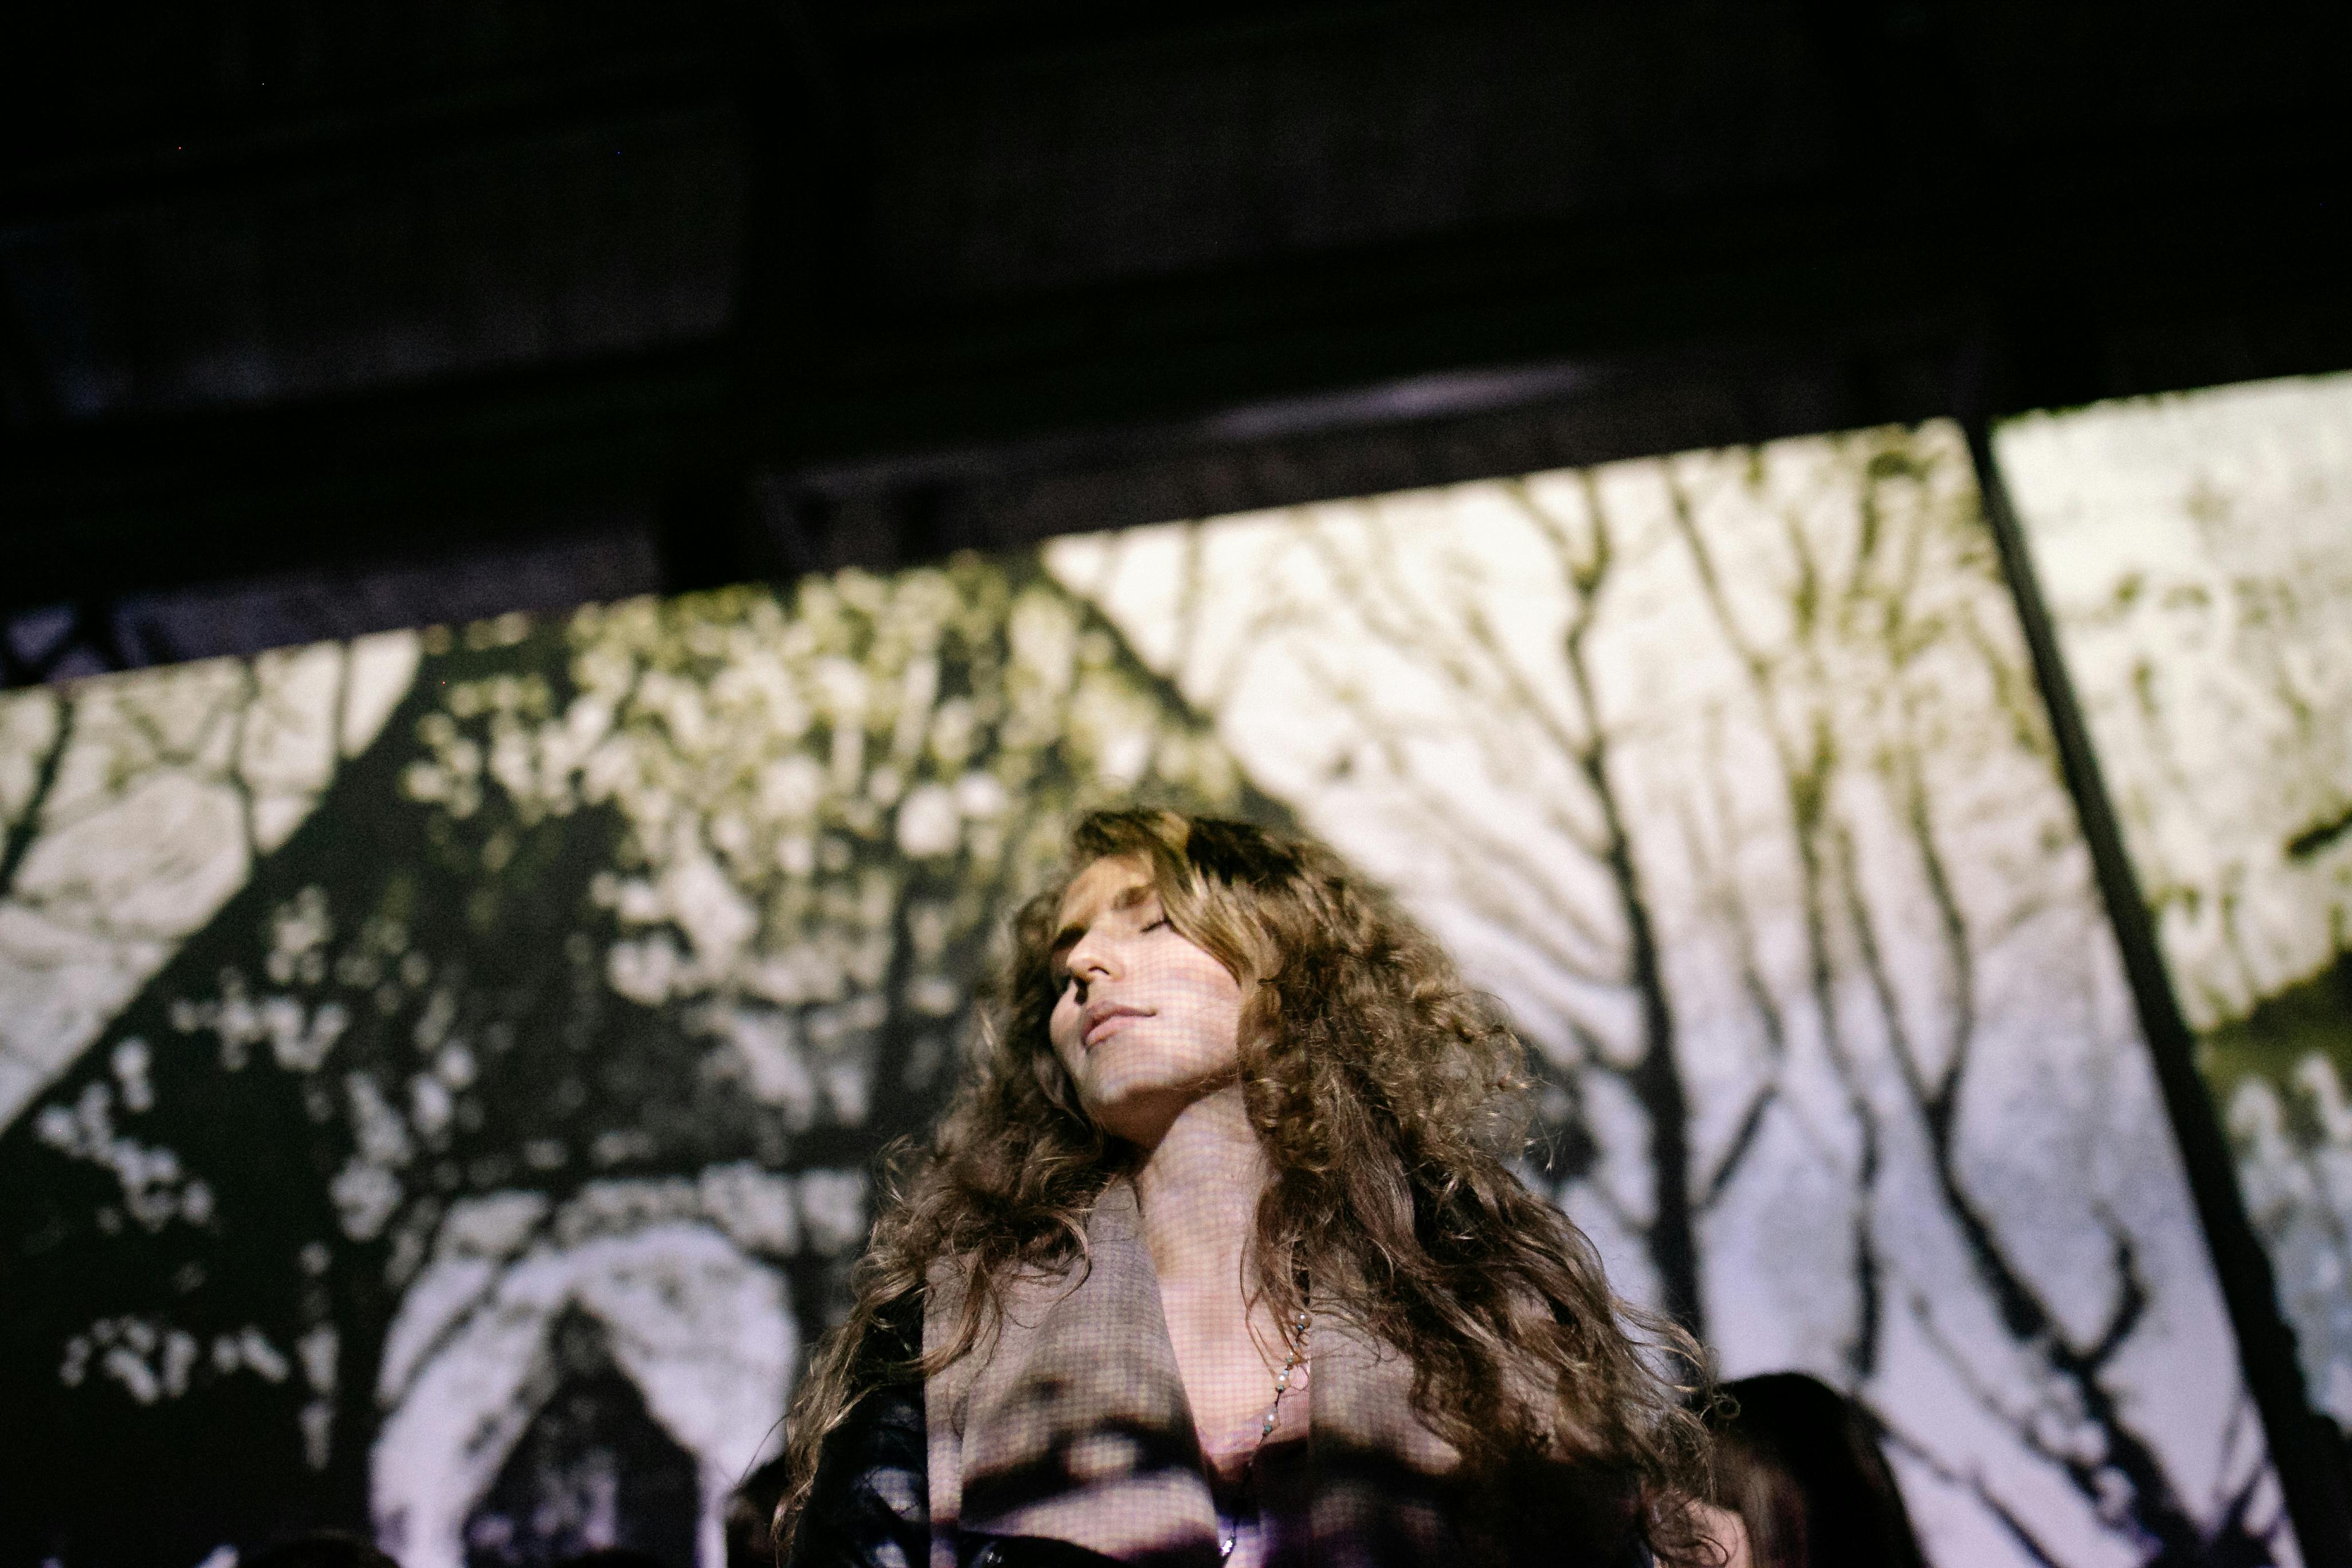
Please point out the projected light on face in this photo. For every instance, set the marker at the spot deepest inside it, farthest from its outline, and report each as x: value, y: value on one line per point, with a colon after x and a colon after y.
x: 1147, y: 1021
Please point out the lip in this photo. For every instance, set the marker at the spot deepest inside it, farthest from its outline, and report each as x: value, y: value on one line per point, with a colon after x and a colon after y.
x: 1099, y: 1016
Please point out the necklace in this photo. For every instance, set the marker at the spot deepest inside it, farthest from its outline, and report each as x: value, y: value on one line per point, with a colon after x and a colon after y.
x: 1232, y: 1534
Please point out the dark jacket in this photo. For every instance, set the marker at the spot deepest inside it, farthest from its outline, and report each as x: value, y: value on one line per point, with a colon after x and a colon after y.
x: 869, y: 1506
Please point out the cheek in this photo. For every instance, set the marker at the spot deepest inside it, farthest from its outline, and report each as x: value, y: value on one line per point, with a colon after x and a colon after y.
x: 1210, y: 1002
x: 1062, y: 1028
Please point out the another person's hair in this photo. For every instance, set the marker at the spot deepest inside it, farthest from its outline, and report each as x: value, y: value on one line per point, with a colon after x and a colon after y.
x: 1392, y: 1102
x: 1801, y: 1464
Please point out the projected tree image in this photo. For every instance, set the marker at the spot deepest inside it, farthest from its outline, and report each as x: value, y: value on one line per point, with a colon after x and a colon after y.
x: 130, y: 809
x: 590, y: 988
x: 1729, y: 774
x: 2197, y: 555
x: 485, y: 1146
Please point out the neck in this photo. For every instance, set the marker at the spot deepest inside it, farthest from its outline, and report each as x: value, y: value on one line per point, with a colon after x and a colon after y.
x: 1197, y: 1189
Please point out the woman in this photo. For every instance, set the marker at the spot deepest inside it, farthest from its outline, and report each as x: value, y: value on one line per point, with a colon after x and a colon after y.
x: 1220, y: 1258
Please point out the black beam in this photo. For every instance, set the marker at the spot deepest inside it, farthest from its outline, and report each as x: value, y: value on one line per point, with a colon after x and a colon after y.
x: 118, y: 506
x: 2248, y: 230
x: 350, y: 141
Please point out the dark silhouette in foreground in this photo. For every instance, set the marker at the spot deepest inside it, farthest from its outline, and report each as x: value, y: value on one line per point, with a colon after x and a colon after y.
x: 320, y: 1548
x: 1800, y: 1463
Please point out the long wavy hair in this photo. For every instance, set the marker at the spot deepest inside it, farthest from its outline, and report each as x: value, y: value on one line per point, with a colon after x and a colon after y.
x: 1392, y: 1101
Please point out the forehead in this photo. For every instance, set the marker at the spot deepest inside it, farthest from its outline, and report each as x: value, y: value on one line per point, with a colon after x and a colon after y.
x: 1112, y: 882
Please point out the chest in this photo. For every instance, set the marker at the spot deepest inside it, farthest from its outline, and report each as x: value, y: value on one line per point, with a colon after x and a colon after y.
x: 1237, y: 1368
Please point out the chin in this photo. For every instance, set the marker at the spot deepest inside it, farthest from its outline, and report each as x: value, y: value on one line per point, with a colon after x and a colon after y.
x: 1120, y: 1097
x: 1119, y: 1102
x: 1139, y: 1095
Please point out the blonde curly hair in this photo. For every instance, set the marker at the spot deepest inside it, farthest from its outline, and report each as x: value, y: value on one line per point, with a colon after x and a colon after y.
x: 1393, y: 1104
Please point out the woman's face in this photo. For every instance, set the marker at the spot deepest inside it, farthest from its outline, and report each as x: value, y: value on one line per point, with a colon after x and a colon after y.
x: 1146, y: 1022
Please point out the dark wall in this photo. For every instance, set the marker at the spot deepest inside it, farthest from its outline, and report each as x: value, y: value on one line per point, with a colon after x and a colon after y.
x: 368, y: 314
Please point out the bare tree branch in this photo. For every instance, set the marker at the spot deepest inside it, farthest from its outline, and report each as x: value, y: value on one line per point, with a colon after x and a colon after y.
x: 26, y: 829
x: 1749, y: 1124
x: 1973, y: 1482
x: 2151, y: 1505
x: 1487, y: 855
x: 1805, y: 768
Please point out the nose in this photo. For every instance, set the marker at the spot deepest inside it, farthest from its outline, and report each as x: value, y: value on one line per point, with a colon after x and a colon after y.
x: 1090, y: 961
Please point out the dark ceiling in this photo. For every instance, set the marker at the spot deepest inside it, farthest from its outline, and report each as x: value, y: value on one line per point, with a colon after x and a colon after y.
x: 320, y: 318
